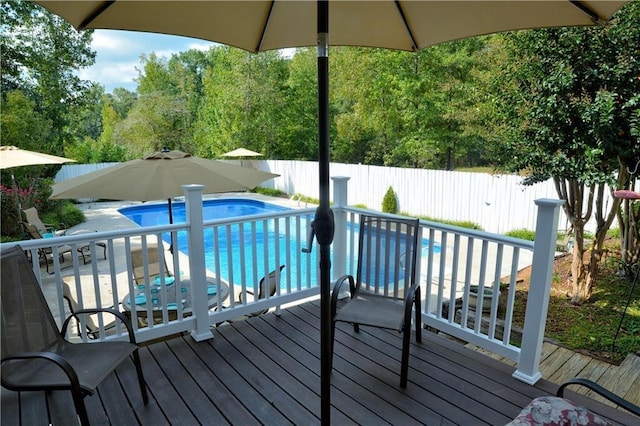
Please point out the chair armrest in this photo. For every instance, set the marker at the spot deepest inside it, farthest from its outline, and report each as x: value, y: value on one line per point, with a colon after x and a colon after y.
x: 336, y: 291
x: 49, y: 356
x: 408, y: 302
x: 122, y: 317
x: 601, y: 391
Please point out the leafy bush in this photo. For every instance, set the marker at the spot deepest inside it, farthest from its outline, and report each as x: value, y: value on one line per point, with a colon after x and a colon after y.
x: 65, y: 215
x: 523, y: 234
x: 390, y: 202
x: 461, y: 223
x: 71, y: 215
x: 270, y: 192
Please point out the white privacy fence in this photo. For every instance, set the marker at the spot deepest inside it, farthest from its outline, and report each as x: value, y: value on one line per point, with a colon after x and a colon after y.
x: 498, y: 203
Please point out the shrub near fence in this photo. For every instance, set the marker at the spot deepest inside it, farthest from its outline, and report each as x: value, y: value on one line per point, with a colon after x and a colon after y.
x: 498, y: 203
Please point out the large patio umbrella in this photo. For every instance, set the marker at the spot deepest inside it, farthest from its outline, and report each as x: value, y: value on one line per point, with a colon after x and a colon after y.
x: 160, y: 175
x: 11, y: 156
x: 272, y: 24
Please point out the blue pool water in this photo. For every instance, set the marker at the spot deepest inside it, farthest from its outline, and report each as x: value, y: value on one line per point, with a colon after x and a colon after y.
x: 233, y: 242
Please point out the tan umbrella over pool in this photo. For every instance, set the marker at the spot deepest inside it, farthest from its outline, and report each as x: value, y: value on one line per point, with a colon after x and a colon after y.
x: 160, y: 175
x: 273, y: 24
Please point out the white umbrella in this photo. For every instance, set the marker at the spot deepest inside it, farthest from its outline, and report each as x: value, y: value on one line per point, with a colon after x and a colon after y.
x: 272, y: 24
x: 241, y: 152
x: 11, y: 156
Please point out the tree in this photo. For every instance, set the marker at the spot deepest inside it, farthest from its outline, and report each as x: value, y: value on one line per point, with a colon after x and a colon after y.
x: 568, y: 98
x: 159, y: 117
x: 40, y: 56
x: 243, y: 102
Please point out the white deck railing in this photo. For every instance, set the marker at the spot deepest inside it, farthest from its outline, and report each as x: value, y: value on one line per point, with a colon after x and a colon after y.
x: 452, y: 261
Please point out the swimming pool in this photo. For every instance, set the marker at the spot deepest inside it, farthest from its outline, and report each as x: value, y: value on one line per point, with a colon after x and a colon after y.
x: 234, y: 242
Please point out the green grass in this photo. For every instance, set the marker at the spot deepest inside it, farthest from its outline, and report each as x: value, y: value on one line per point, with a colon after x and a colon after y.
x: 592, y: 326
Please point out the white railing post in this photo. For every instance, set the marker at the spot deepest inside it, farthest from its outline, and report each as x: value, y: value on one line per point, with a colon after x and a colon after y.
x: 197, y: 268
x: 539, y: 288
x: 340, y: 236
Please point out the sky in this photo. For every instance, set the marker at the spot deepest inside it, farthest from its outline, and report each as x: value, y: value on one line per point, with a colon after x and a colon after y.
x: 118, y: 55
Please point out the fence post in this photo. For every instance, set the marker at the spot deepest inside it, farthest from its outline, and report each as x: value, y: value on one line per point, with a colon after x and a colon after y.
x: 538, y: 300
x: 340, y: 187
x: 197, y: 268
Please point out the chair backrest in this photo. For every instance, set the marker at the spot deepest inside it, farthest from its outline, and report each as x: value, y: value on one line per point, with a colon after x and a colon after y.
x: 32, y: 230
x: 27, y: 322
x: 387, y: 254
x: 153, y: 259
x: 272, y: 281
x: 92, y: 327
x: 32, y: 217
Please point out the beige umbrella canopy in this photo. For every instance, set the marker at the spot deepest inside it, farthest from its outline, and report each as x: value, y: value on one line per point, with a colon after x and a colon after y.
x: 242, y: 152
x: 266, y: 25
x: 160, y: 175
x: 11, y: 156
x: 273, y: 24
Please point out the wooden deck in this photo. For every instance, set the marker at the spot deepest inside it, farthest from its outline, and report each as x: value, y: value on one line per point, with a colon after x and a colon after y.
x: 266, y: 371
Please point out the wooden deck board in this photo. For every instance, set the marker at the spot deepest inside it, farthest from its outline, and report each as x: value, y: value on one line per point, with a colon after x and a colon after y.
x: 266, y: 371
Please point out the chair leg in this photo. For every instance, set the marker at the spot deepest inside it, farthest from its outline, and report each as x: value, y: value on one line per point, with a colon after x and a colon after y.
x: 417, y: 304
x: 81, y: 409
x: 404, y: 367
x: 141, y: 381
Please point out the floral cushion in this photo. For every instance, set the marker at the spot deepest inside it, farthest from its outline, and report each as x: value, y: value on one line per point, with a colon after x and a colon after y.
x: 551, y: 410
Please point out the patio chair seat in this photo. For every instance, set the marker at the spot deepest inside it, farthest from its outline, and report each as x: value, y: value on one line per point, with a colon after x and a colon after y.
x: 373, y: 310
x: 82, y: 358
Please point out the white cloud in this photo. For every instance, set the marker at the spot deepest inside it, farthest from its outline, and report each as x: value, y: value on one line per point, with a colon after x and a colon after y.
x: 118, y: 55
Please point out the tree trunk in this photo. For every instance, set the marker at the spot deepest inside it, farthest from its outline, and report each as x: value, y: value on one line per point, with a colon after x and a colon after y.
x: 581, y: 288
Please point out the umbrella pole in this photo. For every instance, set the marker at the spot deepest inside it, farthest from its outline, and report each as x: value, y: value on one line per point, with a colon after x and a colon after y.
x: 323, y: 223
x: 18, y: 204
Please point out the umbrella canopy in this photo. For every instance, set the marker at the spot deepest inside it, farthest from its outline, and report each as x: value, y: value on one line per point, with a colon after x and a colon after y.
x: 271, y: 24
x: 265, y: 25
x: 241, y: 152
x: 11, y: 156
x: 160, y: 175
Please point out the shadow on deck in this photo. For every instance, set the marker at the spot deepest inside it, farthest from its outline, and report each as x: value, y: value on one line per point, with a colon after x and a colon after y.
x: 266, y: 370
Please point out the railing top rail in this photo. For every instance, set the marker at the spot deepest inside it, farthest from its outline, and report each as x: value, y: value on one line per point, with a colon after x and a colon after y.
x: 261, y: 216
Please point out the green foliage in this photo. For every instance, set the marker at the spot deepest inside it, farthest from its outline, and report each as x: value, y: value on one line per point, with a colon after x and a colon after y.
x: 390, y: 202
x: 523, y: 234
x: 41, y: 54
x: 271, y: 192
x: 70, y: 215
x: 461, y: 223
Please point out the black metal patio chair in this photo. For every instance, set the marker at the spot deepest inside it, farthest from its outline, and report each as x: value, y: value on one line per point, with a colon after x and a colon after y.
x: 35, y: 354
x: 385, y: 289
